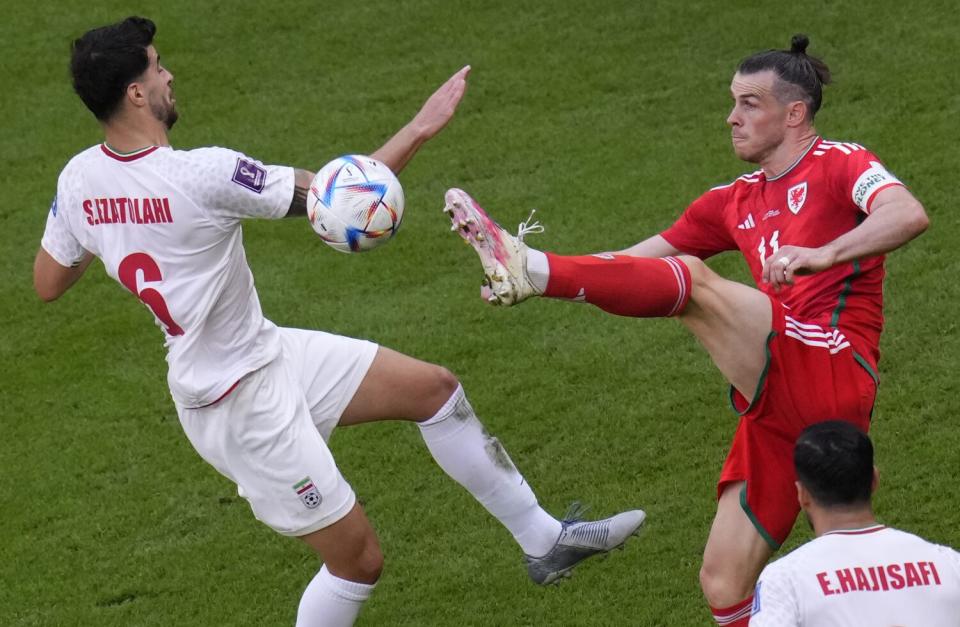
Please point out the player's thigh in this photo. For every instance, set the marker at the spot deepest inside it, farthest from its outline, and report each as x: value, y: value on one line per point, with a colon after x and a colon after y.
x: 735, y: 552
x: 732, y: 321
x: 262, y: 437
x: 399, y: 387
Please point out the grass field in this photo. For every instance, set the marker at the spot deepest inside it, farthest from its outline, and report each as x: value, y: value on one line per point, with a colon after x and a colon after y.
x: 608, y: 117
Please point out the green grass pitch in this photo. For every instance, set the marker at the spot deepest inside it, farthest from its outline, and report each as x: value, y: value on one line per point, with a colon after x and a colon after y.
x: 608, y: 117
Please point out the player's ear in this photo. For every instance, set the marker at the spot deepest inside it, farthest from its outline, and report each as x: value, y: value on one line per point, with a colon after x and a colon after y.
x: 136, y: 94
x: 796, y: 113
x: 876, y: 480
x: 803, y: 497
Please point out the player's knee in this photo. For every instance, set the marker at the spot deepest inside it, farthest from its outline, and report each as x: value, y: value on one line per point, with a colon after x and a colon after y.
x: 700, y: 274
x: 723, y: 586
x: 442, y: 385
x: 364, y: 564
x: 447, y: 382
x: 435, y: 387
x: 369, y: 565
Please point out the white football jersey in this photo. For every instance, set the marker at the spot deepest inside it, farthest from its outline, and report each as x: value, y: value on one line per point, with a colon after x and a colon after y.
x: 166, y: 224
x: 875, y: 576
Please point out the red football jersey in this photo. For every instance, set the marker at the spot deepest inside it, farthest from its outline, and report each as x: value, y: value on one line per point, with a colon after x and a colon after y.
x: 827, y: 192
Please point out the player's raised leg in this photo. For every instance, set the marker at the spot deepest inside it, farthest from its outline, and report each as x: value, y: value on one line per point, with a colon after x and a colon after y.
x: 730, y: 319
x: 400, y: 387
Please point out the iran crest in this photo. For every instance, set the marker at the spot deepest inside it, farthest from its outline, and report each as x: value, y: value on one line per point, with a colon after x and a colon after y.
x: 308, y: 493
x: 796, y: 196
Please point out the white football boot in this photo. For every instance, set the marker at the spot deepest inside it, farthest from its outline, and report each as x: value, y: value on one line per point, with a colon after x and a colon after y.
x: 582, y: 539
x: 504, y: 257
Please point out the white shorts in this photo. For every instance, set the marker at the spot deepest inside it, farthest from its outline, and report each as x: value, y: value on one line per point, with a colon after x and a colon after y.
x: 269, y: 434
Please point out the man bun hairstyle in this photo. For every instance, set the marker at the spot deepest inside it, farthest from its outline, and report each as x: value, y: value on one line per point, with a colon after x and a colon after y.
x: 105, y: 60
x: 834, y: 462
x: 801, y: 76
x: 799, y: 43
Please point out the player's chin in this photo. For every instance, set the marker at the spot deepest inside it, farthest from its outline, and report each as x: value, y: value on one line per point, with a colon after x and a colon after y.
x: 171, y: 118
x: 744, y: 153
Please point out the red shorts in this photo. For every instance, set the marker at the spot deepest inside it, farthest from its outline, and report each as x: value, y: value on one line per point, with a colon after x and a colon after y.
x: 812, y: 374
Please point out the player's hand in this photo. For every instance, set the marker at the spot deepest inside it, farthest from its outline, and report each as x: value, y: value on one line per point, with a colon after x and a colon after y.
x: 441, y: 105
x: 790, y: 261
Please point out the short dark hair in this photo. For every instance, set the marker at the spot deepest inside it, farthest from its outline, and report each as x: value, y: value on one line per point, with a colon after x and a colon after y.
x: 834, y: 462
x: 106, y: 60
x: 801, y: 76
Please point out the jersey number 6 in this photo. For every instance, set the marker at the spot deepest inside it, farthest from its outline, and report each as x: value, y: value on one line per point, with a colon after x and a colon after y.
x: 150, y: 297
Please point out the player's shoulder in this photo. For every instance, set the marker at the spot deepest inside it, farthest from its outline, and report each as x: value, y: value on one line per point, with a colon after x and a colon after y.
x: 217, y: 159
x: 781, y: 567
x: 744, y: 180
x: 803, y: 554
x: 81, y: 160
x: 74, y: 171
x: 831, y: 149
x: 907, y: 538
x: 207, y: 154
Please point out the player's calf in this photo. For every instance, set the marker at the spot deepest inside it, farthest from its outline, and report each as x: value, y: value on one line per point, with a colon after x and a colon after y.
x: 626, y: 286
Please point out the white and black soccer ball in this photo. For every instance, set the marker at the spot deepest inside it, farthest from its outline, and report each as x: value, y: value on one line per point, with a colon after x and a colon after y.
x: 355, y: 203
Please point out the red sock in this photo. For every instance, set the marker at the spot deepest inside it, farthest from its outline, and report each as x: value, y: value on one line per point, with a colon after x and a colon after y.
x: 734, y: 616
x: 627, y: 286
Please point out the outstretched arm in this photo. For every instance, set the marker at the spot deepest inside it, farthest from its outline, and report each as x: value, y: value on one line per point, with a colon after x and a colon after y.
x: 430, y: 120
x: 51, y: 280
x: 435, y: 113
x: 897, y: 217
x: 654, y: 246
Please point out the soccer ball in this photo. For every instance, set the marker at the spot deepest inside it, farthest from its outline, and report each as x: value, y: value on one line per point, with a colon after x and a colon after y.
x: 355, y: 203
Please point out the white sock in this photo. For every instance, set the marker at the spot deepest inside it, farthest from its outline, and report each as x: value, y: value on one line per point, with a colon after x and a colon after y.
x: 538, y: 269
x: 330, y: 601
x: 477, y: 461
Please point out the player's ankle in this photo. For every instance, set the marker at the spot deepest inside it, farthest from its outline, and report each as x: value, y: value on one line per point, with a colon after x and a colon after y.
x: 538, y: 269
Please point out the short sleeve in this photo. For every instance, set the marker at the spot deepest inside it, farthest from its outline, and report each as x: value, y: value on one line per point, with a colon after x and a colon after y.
x: 58, y: 240
x: 774, y: 599
x: 860, y: 175
x: 700, y: 230
x: 231, y: 186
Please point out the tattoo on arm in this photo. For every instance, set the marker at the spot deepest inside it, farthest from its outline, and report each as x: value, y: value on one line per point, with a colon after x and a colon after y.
x: 298, y: 205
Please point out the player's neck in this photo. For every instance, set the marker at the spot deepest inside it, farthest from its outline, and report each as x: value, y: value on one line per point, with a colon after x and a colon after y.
x: 837, y: 519
x: 125, y: 135
x: 788, y: 153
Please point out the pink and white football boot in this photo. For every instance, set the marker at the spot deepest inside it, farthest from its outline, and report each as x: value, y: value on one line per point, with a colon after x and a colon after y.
x: 504, y: 257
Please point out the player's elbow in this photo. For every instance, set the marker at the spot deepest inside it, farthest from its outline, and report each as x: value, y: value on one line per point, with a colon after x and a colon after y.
x: 918, y: 219
x: 46, y: 292
x: 47, y: 287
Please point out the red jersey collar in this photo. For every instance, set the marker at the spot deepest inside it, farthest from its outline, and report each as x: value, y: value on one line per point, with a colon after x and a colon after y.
x: 126, y: 156
x: 816, y: 140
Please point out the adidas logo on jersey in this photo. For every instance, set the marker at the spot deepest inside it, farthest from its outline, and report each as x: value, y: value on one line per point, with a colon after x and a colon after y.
x: 748, y: 223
